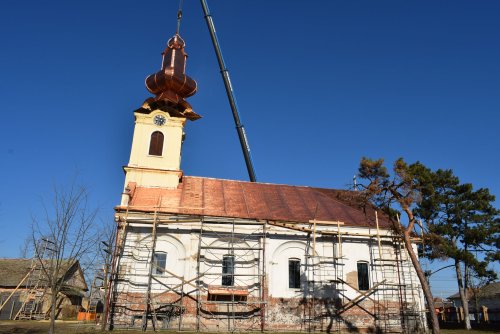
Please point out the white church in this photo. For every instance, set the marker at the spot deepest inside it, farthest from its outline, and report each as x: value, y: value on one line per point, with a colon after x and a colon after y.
x: 205, y: 254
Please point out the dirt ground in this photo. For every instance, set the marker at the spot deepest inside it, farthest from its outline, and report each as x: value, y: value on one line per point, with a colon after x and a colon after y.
x: 463, y: 331
x: 74, y: 327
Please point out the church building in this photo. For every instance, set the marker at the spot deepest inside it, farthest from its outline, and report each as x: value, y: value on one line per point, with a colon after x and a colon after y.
x: 206, y: 254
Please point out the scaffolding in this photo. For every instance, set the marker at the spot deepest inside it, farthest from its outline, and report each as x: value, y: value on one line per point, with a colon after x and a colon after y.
x: 96, y: 297
x: 231, y: 275
x: 227, y: 289
x: 228, y: 301
x: 394, y: 291
x: 36, y: 283
x: 397, y: 301
x: 323, y: 290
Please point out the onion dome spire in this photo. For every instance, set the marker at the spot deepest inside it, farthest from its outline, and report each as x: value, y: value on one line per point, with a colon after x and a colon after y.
x: 171, y: 85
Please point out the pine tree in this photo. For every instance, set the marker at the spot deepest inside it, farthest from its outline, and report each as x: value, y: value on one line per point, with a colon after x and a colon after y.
x: 461, y: 223
x: 403, y: 190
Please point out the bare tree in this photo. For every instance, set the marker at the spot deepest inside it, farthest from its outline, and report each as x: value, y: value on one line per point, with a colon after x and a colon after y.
x: 69, y: 224
x: 25, y: 250
x: 102, y: 269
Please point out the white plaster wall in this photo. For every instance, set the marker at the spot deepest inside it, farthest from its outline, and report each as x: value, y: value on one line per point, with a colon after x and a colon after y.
x: 245, y: 262
x: 280, y: 252
x: 180, y: 242
x: 137, y: 255
x: 172, y: 131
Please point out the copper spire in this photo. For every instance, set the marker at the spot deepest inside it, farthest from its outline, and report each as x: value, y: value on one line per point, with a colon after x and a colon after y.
x: 171, y: 85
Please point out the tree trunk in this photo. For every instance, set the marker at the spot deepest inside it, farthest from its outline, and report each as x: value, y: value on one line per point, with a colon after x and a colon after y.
x: 463, y: 297
x: 53, y: 300
x: 423, y: 282
x: 476, y: 299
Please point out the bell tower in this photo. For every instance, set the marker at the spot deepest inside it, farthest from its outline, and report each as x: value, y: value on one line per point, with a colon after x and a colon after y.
x: 155, y: 156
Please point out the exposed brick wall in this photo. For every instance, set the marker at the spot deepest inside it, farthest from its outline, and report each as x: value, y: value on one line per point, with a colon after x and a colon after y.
x: 280, y: 314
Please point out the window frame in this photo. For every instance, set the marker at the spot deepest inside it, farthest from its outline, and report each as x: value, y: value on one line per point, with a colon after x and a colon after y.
x: 294, y: 281
x: 363, y: 282
x: 157, y: 269
x: 156, y: 142
x: 228, y: 268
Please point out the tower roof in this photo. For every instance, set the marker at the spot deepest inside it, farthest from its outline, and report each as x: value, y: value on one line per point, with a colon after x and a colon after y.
x: 170, y: 84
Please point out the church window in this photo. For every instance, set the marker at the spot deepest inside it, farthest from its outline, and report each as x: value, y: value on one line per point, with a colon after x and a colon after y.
x: 363, y: 279
x: 228, y: 270
x: 159, y: 263
x: 294, y: 273
x: 156, y: 143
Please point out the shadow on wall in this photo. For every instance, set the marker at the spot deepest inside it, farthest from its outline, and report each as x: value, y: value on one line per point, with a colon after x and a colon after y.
x: 322, y: 302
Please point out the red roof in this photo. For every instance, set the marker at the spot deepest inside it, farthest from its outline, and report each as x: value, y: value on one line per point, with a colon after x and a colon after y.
x: 264, y: 201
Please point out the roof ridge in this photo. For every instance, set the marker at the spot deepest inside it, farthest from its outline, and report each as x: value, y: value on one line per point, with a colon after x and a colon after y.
x: 267, y: 183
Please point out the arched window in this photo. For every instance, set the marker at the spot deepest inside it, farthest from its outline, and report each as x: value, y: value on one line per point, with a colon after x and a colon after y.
x: 228, y: 270
x: 156, y: 143
x: 294, y: 273
x: 363, y: 279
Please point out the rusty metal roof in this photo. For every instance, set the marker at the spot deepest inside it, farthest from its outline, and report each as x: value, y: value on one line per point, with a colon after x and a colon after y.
x: 262, y: 201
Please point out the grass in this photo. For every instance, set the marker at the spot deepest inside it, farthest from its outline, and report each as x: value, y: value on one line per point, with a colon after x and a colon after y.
x: 463, y: 331
x: 74, y: 327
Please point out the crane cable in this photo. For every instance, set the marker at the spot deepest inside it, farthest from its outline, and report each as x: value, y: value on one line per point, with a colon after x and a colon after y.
x: 227, y: 84
x: 179, y: 17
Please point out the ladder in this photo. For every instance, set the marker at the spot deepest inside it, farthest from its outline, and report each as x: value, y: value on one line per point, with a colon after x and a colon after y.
x: 338, y: 265
x: 310, y: 319
x: 36, y: 283
x: 388, y: 305
x: 323, y: 272
x: 95, y: 292
x: 115, y: 302
x: 150, y: 307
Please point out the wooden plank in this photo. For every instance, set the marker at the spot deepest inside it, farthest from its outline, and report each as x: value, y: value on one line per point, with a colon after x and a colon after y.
x: 378, y: 237
x: 182, y: 279
x: 358, y: 291
x: 339, y: 247
x: 314, y: 238
x: 326, y: 222
x: 359, y: 298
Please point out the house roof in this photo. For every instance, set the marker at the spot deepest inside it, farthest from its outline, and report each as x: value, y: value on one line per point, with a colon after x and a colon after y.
x: 491, y: 290
x: 12, y: 271
x: 262, y: 201
x: 440, y: 302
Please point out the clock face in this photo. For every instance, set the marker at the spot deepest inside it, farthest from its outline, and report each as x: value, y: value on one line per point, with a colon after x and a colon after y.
x: 159, y: 120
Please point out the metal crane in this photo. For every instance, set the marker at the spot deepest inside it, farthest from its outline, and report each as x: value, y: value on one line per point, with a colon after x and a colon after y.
x: 227, y: 84
x: 230, y: 93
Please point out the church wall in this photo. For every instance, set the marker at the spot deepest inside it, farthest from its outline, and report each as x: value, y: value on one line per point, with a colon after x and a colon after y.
x: 286, y: 306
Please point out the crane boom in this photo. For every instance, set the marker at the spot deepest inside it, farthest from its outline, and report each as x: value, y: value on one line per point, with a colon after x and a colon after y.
x: 230, y: 93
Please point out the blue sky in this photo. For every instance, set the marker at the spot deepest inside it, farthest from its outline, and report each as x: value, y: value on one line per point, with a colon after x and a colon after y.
x: 319, y: 85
